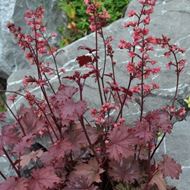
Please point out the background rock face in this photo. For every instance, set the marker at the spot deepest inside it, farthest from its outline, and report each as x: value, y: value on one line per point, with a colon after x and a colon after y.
x: 171, y: 18
x: 6, y: 11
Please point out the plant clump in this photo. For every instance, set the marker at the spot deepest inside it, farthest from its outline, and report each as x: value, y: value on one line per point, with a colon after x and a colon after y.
x: 90, y: 148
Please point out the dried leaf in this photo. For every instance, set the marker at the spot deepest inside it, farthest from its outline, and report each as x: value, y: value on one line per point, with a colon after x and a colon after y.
x: 32, y: 156
x: 79, y: 183
x: 159, y: 181
x: 91, y: 171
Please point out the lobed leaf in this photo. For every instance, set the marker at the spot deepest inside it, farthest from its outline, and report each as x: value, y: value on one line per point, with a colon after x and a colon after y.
x: 91, y: 171
x: 169, y: 167
x: 43, y: 178
x: 121, y: 143
x: 14, y: 183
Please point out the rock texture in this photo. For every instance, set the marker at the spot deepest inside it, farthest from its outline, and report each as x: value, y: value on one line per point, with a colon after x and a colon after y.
x: 171, y: 17
x: 6, y: 11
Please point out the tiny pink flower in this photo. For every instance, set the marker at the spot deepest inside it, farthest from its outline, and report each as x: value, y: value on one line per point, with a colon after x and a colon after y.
x: 131, y: 13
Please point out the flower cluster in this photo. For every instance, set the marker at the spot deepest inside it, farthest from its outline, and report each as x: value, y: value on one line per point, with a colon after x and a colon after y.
x: 35, y: 44
x: 97, y: 19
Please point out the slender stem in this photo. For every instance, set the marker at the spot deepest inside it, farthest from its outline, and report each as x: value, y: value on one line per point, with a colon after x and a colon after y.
x: 124, y: 99
x: 10, y: 91
x: 54, y: 59
x: 88, y: 139
x: 114, y: 80
x: 174, y: 98
x: 50, y: 85
x: 104, y: 64
x: 157, y: 146
x: 49, y: 106
x: 142, y: 91
x: 177, y: 79
x: 48, y: 122
x: 105, y: 49
x: 2, y: 175
x: 11, y: 162
x: 173, y: 102
x: 17, y: 119
x: 113, y: 68
x: 97, y: 67
x: 83, y: 125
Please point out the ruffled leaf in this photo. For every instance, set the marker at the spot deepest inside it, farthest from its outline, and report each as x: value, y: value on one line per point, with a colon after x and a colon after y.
x: 126, y: 170
x: 56, y: 152
x: 91, y: 171
x: 121, y: 143
x: 159, y: 121
x: 169, y: 167
x: 14, y: 183
x: 43, y: 178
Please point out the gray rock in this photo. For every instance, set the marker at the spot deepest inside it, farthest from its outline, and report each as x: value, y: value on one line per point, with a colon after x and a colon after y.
x: 6, y: 10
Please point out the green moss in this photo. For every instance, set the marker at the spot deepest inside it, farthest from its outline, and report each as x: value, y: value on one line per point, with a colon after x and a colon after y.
x: 78, y: 26
x: 2, y: 106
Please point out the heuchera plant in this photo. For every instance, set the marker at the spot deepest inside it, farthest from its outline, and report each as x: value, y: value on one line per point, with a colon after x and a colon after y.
x: 87, y: 147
